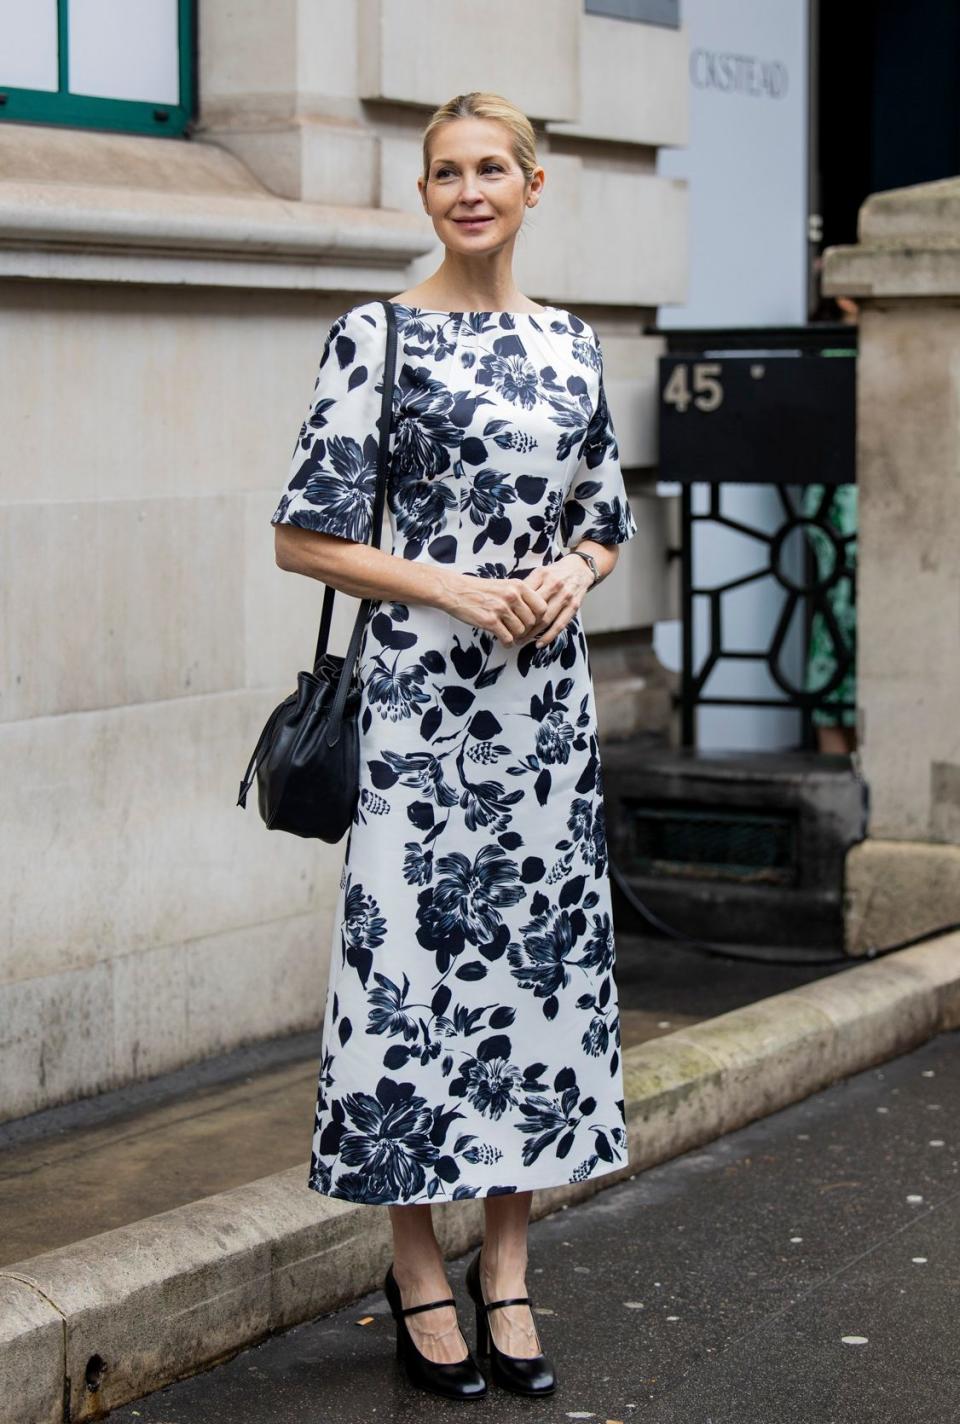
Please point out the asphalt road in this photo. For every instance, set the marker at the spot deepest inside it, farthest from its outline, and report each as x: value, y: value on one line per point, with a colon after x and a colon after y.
x: 803, y: 1270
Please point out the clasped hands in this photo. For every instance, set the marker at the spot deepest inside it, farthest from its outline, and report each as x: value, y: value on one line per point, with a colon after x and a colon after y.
x: 519, y: 610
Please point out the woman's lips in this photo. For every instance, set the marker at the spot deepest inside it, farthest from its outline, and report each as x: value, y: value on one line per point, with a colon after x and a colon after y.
x: 472, y: 222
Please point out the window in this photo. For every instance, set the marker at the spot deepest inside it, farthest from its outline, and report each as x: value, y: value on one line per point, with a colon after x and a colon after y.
x: 99, y: 64
x: 646, y: 12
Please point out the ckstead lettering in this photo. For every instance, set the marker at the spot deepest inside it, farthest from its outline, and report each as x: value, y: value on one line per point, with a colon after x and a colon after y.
x: 738, y: 74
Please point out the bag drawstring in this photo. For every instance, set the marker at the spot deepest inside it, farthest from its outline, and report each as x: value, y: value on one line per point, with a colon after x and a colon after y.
x: 247, y: 780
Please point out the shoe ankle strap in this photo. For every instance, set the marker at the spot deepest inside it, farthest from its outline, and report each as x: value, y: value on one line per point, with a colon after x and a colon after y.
x: 431, y: 1305
x: 510, y: 1300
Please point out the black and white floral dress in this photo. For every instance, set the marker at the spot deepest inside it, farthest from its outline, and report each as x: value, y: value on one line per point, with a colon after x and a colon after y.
x: 471, y: 1035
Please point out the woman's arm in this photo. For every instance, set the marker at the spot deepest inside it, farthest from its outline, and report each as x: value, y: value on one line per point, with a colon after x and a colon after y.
x: 508, y: 608
x: 606, y: 556
x: 360, y: 569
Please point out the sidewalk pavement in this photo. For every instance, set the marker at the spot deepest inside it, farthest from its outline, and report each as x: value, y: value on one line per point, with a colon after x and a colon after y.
x: 226, y: 1122
x: 802, y: 1270
x: 93, y: 1324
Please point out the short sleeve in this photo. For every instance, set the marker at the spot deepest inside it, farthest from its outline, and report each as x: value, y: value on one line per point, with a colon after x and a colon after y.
x: 332, y: 479
x: 596, y: 505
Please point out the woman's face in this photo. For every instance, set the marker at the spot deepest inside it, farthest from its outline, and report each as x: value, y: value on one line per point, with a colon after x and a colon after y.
x: 475, y: 190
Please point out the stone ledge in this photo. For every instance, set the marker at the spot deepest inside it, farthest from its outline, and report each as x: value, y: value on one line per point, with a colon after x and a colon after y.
x: 909, y: 245
x: 182, y: 1290
x: 910, y: 273
x: 924, y: 215
x: 95, y: 207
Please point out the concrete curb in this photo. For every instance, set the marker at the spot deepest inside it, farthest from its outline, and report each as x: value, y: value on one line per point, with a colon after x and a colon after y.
x: 94, y: 1325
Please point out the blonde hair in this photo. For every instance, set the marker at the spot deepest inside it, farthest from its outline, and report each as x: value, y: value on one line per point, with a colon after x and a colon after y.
x: 479, y: 104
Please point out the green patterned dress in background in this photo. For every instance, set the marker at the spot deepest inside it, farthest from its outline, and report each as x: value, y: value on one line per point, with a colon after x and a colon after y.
x: 821, y: 654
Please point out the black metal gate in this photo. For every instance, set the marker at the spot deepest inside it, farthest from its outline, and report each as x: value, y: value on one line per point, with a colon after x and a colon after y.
x: 762, y: 406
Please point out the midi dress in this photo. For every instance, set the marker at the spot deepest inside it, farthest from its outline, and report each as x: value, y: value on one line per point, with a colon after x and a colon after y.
x: 471, y: 1040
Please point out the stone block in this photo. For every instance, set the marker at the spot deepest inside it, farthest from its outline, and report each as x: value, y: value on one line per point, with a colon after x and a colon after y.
x: 31, y: 1356
x: 56, y: 1042
x: 221, y: 420
x: 652, y: 108
x: 133, y: 812
x: 313, y: 159
x: 533, y: 49
x: 631, y: 378
x: 113, y: 602
x: 867, y: 1032
x: 895, y: 890
x: 765, y: 1051
x: 250, y: 984
x: 548, y: 255
x: 247, y: 52
x: 70, y: 1035
x: 674, y: 1092
x: 632, y: 238
x: 935, y: 964
x: 896, y: 756
x: 154, y: 1029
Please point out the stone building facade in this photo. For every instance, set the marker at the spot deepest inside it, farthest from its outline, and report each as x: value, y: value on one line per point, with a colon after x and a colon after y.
x: 163, y: 305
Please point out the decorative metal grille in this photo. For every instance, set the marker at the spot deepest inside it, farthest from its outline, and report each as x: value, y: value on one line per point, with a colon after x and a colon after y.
x: 828, y: 565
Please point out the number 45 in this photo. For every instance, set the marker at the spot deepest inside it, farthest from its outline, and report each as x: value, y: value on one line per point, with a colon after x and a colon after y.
x: 706, y: 384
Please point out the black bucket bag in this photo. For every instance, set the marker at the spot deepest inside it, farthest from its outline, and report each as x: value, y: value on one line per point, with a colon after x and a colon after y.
x: 307, y: 757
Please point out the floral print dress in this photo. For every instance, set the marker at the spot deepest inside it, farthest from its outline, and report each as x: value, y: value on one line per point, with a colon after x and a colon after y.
x: 471, y: 1039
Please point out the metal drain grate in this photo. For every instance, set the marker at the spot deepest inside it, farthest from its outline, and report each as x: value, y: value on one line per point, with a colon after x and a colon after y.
x: 741, y: 844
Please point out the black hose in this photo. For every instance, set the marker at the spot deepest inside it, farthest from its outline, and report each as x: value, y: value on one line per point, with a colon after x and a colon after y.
x: 721, y: 951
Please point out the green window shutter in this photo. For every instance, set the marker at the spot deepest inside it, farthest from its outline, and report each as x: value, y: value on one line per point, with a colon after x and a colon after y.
x: 60, y: 106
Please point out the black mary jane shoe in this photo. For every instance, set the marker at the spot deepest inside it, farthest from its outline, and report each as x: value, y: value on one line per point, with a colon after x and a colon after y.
x: 524, y: 1374
x: 463, y: 1379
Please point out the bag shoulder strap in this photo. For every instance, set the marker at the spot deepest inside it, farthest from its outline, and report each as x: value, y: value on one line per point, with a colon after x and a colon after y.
x: 383, y: 459
x: 383, y: 453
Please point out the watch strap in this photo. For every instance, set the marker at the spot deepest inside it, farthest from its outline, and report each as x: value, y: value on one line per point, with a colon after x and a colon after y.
x: 589, y: 559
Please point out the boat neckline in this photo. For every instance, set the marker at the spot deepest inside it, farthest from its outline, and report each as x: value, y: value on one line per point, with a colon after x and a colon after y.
x: 439, y: 311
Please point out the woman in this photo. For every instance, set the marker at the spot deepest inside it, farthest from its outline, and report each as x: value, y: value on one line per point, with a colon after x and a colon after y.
x: 471, y: 1040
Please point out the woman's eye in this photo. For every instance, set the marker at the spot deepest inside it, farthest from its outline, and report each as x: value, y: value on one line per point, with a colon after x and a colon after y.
x: 487, y: 167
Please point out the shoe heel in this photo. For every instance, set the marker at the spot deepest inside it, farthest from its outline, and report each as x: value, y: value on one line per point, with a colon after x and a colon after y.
x: 483, y: 1331
x: 527, y: 1375
x: 462, y: 1379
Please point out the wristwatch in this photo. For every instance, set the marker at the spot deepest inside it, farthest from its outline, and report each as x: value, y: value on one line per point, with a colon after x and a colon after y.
x: 591, y: 561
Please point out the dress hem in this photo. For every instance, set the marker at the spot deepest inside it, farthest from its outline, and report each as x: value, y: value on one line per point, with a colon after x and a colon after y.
x: 438, y: 1200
